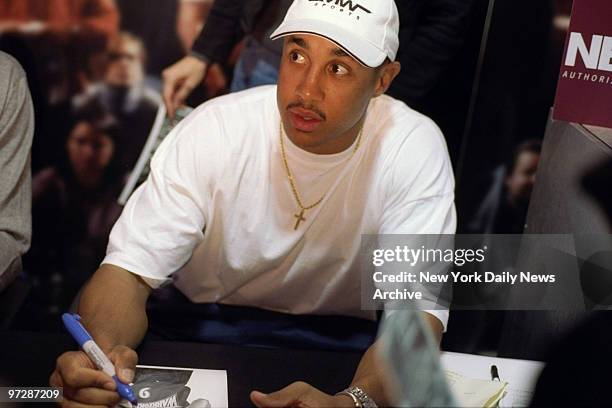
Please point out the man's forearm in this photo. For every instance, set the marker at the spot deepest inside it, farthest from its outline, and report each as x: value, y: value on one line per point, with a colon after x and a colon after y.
x: 113, y: 307
x: 435, y: 325
x: 219, y: 35
x: 371, y: 375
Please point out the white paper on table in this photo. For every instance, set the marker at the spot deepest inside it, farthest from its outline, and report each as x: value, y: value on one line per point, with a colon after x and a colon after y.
x: 472, y: 392
x: 175, y: 387
x: 521, y: 375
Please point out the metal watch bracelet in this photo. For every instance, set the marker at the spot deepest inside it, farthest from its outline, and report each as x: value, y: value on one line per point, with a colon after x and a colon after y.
x: 359, y: 397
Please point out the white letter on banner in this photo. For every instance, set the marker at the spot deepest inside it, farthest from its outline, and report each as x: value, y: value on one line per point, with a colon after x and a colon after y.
x: 605, y: 61
x: 577, y: 44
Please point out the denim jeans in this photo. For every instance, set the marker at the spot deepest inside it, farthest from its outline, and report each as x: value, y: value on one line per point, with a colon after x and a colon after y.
x: 256, y: 66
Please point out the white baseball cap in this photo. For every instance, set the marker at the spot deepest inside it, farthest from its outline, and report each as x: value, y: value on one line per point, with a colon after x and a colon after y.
x: 366, y: 29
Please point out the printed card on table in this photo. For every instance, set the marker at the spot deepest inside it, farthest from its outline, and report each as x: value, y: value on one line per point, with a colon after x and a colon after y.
x: 157, y: 387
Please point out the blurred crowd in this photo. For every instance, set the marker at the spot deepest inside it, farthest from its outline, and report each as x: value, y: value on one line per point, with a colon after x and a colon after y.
x: 93, y: 68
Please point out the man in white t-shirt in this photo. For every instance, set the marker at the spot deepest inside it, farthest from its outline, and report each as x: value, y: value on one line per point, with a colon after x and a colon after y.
x: 260, y: 198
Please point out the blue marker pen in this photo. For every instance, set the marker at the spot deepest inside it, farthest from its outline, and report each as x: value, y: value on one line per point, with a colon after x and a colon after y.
x: 78, y: 332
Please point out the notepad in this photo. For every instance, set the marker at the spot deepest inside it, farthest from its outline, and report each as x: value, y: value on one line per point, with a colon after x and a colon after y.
x: 471, y: 392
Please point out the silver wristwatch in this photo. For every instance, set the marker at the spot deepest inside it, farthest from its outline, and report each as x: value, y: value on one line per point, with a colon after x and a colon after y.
x: 359, y: 397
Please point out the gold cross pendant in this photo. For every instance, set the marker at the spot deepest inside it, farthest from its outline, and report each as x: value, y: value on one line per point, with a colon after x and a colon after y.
x: 299, y: 218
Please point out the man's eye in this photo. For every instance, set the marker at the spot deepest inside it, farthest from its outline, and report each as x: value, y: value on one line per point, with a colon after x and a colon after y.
x: 297, y: 57
x: 338, y: 69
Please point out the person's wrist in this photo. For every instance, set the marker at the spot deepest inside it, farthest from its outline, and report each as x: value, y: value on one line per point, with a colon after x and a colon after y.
x: 200, y: 57
x: 359, y: 397
x: 342, y: 400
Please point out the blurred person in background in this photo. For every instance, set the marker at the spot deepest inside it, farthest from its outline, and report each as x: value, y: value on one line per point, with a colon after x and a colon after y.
x: 157, y: 28
x: 59, y: 17
x: 124, y: 94
x: 516, y: 89
x: 504, y: 209
x: 74, y: 207
x: 191, y: 16
x: 431, y: 34
x: 64, y: 34
x: 16, y: 130
x: 232, y: 27
x: 61, y: 44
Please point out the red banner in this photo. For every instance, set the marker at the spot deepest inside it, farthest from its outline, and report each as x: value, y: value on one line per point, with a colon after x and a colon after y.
x: 584, y: 92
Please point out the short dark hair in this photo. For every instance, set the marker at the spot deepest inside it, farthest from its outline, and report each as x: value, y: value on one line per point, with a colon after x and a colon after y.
x: 528, y: 146
x: 103, y: 122
x: 98, y: 117
x: 125, y: 37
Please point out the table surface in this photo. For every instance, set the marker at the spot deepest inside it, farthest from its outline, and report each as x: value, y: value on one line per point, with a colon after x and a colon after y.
x: 27, y: 359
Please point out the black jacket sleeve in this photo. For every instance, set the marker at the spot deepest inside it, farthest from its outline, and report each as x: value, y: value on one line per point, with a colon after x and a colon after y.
x: 431, y: 34
x: 221, y: 32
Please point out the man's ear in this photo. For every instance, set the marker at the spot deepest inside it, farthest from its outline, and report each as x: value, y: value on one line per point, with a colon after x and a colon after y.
x: 385, y: 77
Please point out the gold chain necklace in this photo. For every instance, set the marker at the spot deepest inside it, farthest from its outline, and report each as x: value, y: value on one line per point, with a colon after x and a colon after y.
x: 303, y: 208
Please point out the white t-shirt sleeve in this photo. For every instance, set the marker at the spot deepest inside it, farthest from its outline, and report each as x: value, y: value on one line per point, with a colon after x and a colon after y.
x: 418, y: 191
x: 164, y: 219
